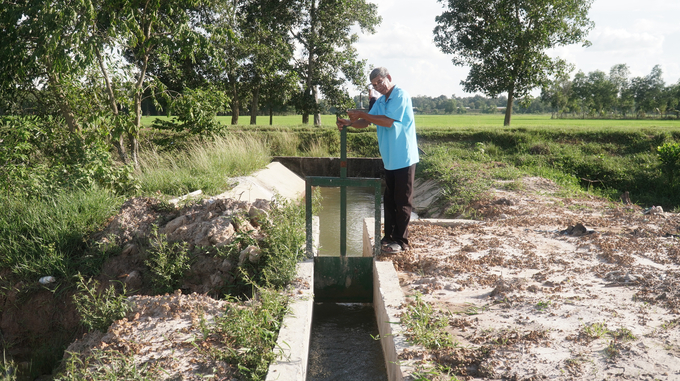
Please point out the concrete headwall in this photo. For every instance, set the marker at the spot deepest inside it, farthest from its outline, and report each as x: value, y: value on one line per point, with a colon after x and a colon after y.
x: 330, y: 166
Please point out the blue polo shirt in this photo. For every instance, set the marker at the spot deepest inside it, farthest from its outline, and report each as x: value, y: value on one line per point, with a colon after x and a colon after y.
x: 397, y: 143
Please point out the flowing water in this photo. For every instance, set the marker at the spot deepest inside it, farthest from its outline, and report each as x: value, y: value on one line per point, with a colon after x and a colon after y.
x: 342, y: 346
x: 360, y: 205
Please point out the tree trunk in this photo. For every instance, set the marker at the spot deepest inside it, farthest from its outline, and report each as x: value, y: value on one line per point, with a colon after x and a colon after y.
x: 117, y: 133
x: 317, y: 115
x: 508, y: 108
x: 271, y: 116
x: 254, y: 104
x: 235, y: 107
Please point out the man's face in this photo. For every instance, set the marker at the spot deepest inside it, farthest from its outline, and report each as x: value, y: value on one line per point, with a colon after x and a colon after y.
x: 381, y: 84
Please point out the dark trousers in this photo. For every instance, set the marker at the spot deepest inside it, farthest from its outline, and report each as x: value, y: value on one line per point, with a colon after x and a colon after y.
x: 398, y: 200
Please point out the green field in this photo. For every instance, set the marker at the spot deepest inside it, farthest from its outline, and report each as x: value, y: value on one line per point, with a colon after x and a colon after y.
x: 476, y: 121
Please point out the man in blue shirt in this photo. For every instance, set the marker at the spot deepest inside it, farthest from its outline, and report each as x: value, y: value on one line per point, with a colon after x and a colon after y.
x: 392, y: 114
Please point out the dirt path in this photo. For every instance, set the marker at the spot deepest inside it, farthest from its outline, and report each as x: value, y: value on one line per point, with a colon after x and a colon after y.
x: 549, y: 287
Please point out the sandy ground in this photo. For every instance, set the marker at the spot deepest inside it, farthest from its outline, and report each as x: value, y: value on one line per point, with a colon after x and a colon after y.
x: 548, y: 287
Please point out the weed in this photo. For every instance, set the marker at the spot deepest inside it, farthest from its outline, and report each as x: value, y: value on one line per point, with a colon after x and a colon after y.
x: 98, y: 310
x: 104, y: 365
x: 613, y: 349
x: 250, y: 332
x: 167, y: 262
x: 425, y: 327
x: 8, y: 369
x: 437, y: 373
x: 543, y: 305
x: 594, y: 330
x: 623, y: 334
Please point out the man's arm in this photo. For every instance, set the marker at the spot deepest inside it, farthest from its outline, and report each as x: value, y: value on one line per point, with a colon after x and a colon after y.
x: 361, y: 119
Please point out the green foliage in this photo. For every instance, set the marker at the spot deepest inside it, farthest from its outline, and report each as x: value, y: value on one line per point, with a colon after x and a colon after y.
x: 103, y: 365
x: 8, y: 369
x: 327, y: 40
x: 669, y: 155
x: 283, y: 246
x: 464, y: 180
x: 49, y: 236
x: 37, y: 157
x: 98, y: 310
x: 195, y: 111
x: 363, y: 144
x: 167, y: 262
x: 425, y: 326
x: 250, y: 333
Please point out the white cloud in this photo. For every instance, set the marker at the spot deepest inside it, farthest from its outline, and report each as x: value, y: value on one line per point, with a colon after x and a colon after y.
x: 639, y: 34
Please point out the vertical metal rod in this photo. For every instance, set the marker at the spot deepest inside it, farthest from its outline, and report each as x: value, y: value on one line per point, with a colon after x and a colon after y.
x: 343, y: 193
x: 378, y: 233
x: 308, y: 217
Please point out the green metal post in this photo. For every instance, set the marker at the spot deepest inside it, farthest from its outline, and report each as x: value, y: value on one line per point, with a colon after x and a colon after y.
x: 343, y: 192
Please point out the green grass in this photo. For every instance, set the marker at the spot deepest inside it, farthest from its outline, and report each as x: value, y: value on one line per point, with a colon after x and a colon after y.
x: 205, y: 165
x: 46, y: 236
x: 470, y: 121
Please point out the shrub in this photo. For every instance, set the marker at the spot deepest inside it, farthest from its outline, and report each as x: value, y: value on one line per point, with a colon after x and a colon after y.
x: 99, y: 310
x: 669, y: 155
x: 167, y: 262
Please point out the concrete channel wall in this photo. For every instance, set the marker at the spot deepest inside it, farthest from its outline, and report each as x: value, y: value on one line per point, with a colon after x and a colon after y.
x: 293, y: 343
x: 330, y: 166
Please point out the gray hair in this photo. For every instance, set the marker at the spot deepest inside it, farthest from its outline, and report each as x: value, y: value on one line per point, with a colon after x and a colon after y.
x: 378, y: 72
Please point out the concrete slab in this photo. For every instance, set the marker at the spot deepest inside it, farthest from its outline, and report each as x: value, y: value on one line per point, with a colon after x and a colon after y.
x: 425, y: 193
x: 273, y: 180
x: 292, y: 346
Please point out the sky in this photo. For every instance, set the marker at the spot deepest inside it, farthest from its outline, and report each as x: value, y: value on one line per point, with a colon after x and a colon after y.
x: 641, y: 34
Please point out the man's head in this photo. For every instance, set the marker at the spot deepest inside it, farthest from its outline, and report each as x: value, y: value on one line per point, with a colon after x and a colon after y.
x: 381, y: 80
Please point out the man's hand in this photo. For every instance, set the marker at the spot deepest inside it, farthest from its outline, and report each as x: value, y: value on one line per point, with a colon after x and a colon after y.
x: 342, y: 123
x: 355, y: 115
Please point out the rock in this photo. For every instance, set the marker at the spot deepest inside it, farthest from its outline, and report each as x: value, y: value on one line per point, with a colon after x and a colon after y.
x: 262, y: 204
x: 252, y: 253
x: 257, y: 215
x: 133, y: 281
x: 129, y: 249
x: 171, y: 226
x: 654, y: 210
x: 576, y: 230
x: 226, y: 266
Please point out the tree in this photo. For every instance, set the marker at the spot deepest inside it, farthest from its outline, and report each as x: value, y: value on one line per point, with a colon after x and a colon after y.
x: 505, y: 41
x: 648, y: 92
x: 44, y: 52
x: 329, y: 58
x: 557, y: 93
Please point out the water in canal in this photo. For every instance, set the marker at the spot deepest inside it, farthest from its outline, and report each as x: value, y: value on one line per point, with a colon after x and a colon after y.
x: 360, y: 205
x: 342, y: 346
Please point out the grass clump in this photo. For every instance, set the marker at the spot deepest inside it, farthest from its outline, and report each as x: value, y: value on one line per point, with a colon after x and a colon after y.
x: 425, y: 326
x: 107, y: 365
x: 46, y: 236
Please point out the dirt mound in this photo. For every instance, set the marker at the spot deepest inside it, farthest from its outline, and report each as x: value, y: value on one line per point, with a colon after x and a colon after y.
x: 202, y: 228
x: 219, y: 235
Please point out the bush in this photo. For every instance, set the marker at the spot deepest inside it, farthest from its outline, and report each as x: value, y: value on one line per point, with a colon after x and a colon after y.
x: 37, y: 156
x: 195, y: 112
x: 167, y: 262
x: 669, y: 155
x: 99, y: 310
